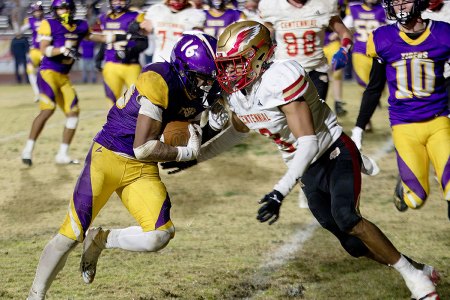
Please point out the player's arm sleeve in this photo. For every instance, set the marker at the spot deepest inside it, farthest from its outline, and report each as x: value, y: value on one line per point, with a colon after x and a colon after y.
x: 45, y: 31
x: 152, y: 86
x: 372, y: 94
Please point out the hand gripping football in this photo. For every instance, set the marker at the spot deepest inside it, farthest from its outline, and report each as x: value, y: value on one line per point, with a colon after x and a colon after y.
x: 176, y: 133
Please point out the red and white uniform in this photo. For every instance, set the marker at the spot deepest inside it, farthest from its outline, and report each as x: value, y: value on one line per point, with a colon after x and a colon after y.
x: 300, y: 32
x: 285, y: 81
x: 168, y: 27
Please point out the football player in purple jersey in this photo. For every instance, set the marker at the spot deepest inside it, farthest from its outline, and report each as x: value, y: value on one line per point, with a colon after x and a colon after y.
x: 219, y: 16
x: 60, y: 38
x: 411, y: 55
x: 121, y: 58
x: 34, y: 55
x: 124, y: 159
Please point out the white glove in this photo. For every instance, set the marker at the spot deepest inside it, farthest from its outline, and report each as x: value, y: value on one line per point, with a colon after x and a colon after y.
x: 357, y: 134
x: 192, y: 148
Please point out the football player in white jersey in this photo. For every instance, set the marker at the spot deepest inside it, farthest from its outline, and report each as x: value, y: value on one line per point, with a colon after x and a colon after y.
x: 167, y: 21
x: 299, y: 30
x: 278, y: 100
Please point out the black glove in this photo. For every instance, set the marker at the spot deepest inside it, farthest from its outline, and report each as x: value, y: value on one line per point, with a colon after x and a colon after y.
x: 134, y: 28
x: 271, y: 209
x: 177, y: 166
x: 72, y: 53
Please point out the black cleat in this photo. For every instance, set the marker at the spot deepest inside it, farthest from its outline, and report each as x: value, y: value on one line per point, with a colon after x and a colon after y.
x: 339, y: 109
x: 399, y: 202
x: 27, y: 161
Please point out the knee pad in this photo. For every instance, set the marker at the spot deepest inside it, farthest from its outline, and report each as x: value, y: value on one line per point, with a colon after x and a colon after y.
x: 71, y: 122
x: 354, y: 246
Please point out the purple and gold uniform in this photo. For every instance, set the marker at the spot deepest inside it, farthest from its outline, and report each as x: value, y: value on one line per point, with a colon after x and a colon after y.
x: 53, y: 80
x: 111, y: 165
x: 217, y: 21
x: 35, y: 54
x: 116, y: 73
x: 363, y: 19
x: 418, y: 109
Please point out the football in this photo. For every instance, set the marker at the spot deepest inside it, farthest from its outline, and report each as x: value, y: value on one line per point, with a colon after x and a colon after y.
x: 176, y: 133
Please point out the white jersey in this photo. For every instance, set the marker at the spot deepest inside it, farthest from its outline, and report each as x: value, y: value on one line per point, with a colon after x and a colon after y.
x: 260, y: 111
x: 168, y: 27
x: 442, y: 15
x: 300, y: 32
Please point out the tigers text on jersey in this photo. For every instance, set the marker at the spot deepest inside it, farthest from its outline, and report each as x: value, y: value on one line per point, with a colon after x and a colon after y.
x: 364, y: 20
x: 168, y: 27
x: 60, y: 35
x: 260, y: 111
x: 300, y: 32
x: 414, y: 70
x: 215, y: 24
x: 158, y: 83
x: 118, y: 25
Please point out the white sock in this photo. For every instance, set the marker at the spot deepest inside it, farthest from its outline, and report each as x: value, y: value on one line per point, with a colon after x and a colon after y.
x: 63, y: 149
x: 404, y: 267
x: 134, y: 239
x: 53, y: 259
x: 29, y: 146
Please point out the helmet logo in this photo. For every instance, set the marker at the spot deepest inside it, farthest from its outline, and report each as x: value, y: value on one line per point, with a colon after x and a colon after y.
x: 189, y: 50
x: 244, y: 37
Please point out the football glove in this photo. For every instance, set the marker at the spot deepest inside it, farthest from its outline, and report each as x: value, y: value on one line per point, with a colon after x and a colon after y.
x: 340, y: 59
x: 134, y: 28
x: 271, y: 208
x: 357, y: 135
x: 72, y: 53
x: 174, y: 167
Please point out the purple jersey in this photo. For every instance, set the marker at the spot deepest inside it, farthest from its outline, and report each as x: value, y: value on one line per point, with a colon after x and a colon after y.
x: 118, y: 133
x: 414, y: 70
x: 87, y: 49
x: 118, y: 25
x: 34, y: 26
x: 365, y: 20
x: 62, y: 37
x: 214, y: 25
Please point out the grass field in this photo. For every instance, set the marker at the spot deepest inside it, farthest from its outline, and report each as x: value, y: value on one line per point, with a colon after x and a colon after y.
x: 220, y: 251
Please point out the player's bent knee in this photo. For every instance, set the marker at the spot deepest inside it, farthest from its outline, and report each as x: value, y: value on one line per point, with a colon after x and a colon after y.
x: 71, y: 122
x: 345, y: 218
x: 157, y: 239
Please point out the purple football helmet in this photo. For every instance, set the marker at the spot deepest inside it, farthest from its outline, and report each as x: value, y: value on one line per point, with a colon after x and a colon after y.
x: 193, y: 58
x: 119, y: 8
x: 67, y: 4
x: 36, y: 6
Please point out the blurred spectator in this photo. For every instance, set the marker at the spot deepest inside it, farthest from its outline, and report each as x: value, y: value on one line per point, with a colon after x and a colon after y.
x: 19, y: 50
x: 87, y: 61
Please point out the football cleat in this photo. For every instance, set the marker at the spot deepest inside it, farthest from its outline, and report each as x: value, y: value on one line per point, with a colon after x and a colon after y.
x: 369, y: 166
x: 65, y: 160
x: 339, y: 109
x: 421, y: 287
x: 399, y: 202
x: 93, y: 245
x: 26, y: 158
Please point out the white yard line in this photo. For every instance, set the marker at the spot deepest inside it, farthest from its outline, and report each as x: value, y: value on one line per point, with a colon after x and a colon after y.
x: 22, y: 134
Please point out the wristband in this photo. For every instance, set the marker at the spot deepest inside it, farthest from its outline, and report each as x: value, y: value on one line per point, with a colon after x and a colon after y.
x: 347, y: 44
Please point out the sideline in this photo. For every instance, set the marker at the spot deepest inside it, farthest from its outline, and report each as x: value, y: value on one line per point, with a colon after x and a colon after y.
x: 21, y: 134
